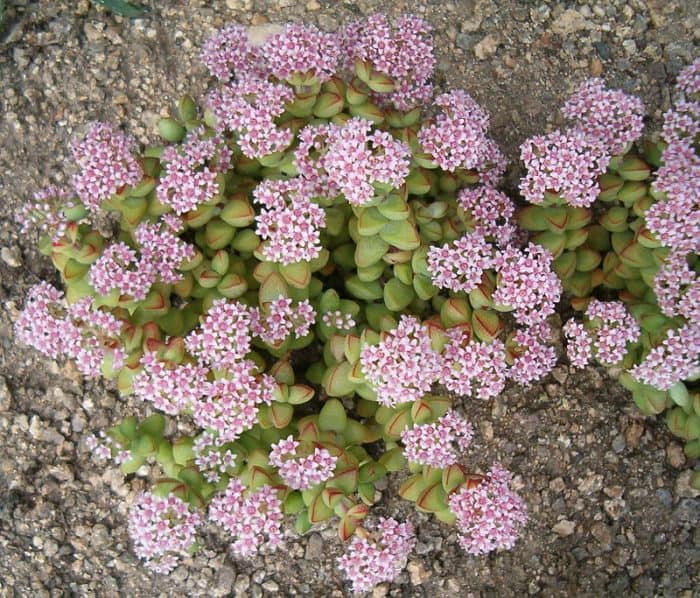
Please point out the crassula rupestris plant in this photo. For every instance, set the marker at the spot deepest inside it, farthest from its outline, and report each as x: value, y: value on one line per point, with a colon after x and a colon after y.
x: 623, y: 224
x: 294, y: 273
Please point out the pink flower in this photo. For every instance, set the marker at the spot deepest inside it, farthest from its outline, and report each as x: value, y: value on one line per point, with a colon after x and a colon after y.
x: 579, y: 344
x: 458, y: 138
x: 610, y: 117
x: 689, y: 78
x: 403, y: 366
x: 120, y: 269
x: 615, y: 327
x: 534, y: 358
x: 107, y: 164
x: 301, y: 465
x: 490, y: 516
x: 490, y: 212
x: 161, y: 529
x: 230, y: 50
x: 403, y: 52
x: 248, y: 109
x: 253, y: 518
x: 566, y: 164
x: 224, y: 337
x: 162, y: 251
x: 677, y: 358
x: 526, y: 283
x: 471, y: 368
x: 434, y: 444
x: 677, y: 288
x: 46, y: 212
x: 460, y: 265
x: 289, y: 223
x: 377, y: 556
x: 279, y: 318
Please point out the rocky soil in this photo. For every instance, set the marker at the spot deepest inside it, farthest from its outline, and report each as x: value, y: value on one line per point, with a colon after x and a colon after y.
x: 611, y: 511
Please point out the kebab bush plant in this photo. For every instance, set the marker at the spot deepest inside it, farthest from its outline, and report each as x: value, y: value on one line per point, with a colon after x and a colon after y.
x: 291, y: 273
x: 623, y: 224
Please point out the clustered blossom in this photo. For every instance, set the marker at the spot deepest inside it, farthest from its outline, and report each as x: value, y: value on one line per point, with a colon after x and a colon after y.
x: 460, y: 265
x: 606, y: 116
x: 434, y: 444
x: 302, y: 49
x: 403, y: 52
x: 107, y: 164
x: 491, y: 212
x: 172, y: 388
x: 47, y: 212
x: 298, y: 470
x: 688, y: 79
x: 252, y: 517
x: 472, y: 368
x: 280, y: 318
x: 161, y: 529
x: 248, y: 108
x: 534, y: 358
x: 119, y: 268
x: 615, y: 327
x: 352, y: 158
x: 526, y: 283
x: 190, y: 175
x: 289, y: 222
x: 162, y: 252
x: 211, y: 459
x: 676, y: 358
x: 403, y: 366
x: 338, y: 320
x: 79, y: 332
x: 579, y: 344
x: 489, y: 514
x: 104, y: 447
x: 377, y: 556
x: 677, y: 288
x: 229, y: 405
x: 458, y: 138
x: 224, y: 336
x: 227, y: 51
x: 562, y: 163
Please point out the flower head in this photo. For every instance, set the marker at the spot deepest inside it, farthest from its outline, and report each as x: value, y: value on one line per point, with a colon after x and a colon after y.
x: 378, y: 556
x: 230, y: 51
x: 579, y: 344
x: 301, y: 465
x: 434, y: 444
x: 490, y: 516
x: 280, y: 318
x: 460, y: 265
x: 491, y: 212
x: 533, y: 357
x: 614, y: 326
x: 161, y: 529
x: 403, y: 366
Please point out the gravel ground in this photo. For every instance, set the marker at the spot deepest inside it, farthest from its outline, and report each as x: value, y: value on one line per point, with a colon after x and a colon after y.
x: 611, y: 511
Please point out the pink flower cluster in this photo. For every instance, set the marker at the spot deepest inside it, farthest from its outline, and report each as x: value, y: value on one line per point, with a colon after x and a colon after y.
x: 434, y: 444
x: 224, y: 336
x: 107, y: 164
x: 460, y: 265
x: 172, y: 388
x: 535, y: 358
x: 121, y: 268
x: 403, y: 52
x: 301, y: 469
x: 253, y: 518
x: 403, y: 366
x: 377, y: 556
x: 79, y: 331
x: 302, y: 49
x: 230, y: 405
x: 490, y: 516
x: 104, y: 447
x: 248, y: 108
x: 161, y: 529
x: 230, y: 50
x: 607, y: 116
x: 677, y: 358
x: 280, y: 318
x: 526, y: 283
x: 689, y: 78
x: 458, y: 138
x: 677, y: 288
x: 289, y: 223
x: 579, y: 344
x: 567, y: 164
x: 491, y: 213
x: 46, y: 212
x: 614, y: 326
x: 190, y: 174
x: 351, y: 158
x: 471, y: 368
x: 338, y: 320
